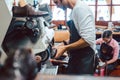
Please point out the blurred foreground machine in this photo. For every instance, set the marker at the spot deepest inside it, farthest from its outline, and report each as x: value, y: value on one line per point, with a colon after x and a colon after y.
x: 43, y: 46
x: 40, y: 33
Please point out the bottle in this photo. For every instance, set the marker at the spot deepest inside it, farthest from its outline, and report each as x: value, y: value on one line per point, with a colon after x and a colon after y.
x: 110, y: 25
x: 102, y: 71
x: 96, y: 72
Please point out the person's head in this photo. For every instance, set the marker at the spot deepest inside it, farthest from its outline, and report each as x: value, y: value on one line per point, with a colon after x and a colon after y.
x: 64, y: 4
x: 107, y: 36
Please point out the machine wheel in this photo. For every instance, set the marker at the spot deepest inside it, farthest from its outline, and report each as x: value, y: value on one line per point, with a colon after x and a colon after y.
x: 44, y: 55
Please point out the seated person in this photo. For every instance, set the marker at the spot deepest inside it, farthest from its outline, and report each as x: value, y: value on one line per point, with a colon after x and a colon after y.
x: 109, y: 50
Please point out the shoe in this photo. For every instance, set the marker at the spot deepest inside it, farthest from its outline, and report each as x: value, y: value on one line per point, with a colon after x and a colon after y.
x: 27, y: 11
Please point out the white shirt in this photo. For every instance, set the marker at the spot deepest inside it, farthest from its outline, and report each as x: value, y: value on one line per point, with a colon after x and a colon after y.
x: 84, y: 22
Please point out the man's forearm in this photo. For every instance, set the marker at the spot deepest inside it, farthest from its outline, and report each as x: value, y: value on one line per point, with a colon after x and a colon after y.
x: 111, y: 61
x: 78, y: 44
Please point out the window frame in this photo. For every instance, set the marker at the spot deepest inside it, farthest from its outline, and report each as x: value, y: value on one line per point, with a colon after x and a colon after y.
x: 102, y: 23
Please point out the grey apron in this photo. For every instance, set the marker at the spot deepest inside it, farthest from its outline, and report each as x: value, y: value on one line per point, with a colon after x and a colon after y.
x: 81, y: 60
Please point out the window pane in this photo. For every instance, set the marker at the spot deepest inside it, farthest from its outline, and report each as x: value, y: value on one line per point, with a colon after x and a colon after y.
x: 58, y: 14
x: 40, y: 1
x: 104, y: 2
x: 93, y: 9
x: 89, y: 2
x: 116, y: 1
x: 44, y: 1
x: 52, y: 2
x: 103, y: 13
x: 68, y: 14
x: 116, y: 13
x: 29, y: 1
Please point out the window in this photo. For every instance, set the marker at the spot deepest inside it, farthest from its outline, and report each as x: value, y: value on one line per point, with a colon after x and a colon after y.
x: 59, y: 14
x: 44, y: 1
x: 103, y: 13
x: 116, y: 10
x: 105, y: 10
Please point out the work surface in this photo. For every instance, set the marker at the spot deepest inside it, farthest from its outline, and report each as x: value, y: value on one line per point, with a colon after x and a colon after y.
x: 114, y: 33
x: 66, y: 77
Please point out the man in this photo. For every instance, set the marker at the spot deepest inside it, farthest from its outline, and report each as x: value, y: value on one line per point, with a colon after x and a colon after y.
x: 82, y: 37
x: 109, y: 50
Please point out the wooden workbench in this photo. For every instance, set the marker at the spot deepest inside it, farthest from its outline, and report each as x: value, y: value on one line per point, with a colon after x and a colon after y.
x: 61, y: 35
x: 116, y: 35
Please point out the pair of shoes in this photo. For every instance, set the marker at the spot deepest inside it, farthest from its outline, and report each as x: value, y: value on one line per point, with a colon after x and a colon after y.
x: 27, y: 11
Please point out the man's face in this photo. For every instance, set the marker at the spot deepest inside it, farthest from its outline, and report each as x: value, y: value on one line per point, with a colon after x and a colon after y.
x: 107, y: 39
x: 61, y: 4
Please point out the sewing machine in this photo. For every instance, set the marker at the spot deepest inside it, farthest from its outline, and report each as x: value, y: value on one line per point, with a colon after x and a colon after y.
x: 42, y: 47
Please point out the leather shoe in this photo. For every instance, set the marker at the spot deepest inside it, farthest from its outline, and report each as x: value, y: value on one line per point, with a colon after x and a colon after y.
x: 27, y: 11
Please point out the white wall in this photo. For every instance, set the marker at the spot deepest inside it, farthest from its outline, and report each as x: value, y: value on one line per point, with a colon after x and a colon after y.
x: 5, y: 19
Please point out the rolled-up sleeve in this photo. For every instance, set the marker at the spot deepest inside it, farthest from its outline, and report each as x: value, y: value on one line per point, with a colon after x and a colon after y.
x: 116, y: 51
x: 99, y: 41
x: 85, y: 25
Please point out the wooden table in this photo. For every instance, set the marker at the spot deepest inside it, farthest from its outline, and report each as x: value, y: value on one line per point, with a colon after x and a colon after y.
x: 114, y: 33
x: 61, y: 35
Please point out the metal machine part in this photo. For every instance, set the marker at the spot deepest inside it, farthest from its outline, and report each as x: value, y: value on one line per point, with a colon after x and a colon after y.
x: 32, y: 26
x: 29, y: 24
x: 44, y: 55
x: 45, y: 39
x: 48, y: 53
x: 45, y: 7
x: 39, y: 34
x: 35, y: 25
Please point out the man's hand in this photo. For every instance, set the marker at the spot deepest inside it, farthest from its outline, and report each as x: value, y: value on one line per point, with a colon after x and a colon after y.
x: 60, y: 51
x: 102, y: 64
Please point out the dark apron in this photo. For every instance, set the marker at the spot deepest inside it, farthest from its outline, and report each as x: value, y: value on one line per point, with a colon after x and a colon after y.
x: 106, y: 54
x: 81, y: 60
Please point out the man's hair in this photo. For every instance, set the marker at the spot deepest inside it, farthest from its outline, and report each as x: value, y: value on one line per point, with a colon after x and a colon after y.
x: 107, y: 34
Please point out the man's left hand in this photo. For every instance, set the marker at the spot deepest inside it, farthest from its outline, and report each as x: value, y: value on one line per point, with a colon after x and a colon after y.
x: 102, y: 64
x: 60, y: 51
